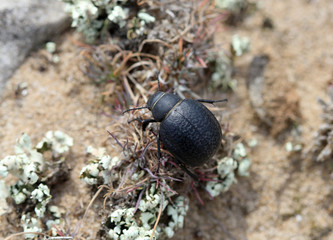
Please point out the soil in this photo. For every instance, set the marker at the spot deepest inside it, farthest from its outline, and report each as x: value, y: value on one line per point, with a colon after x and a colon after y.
x: 287, y: 196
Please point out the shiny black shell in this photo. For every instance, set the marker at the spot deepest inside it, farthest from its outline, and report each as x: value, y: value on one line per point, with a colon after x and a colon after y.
x: 189, y: 131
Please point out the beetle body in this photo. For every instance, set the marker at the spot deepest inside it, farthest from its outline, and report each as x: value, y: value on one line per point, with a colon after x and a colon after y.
x: 188, y: 130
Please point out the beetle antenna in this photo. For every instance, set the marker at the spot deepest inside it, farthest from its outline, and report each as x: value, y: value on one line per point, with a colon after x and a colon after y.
x: 134, y: 109
x: 211, y: 101
x: 158, y: 80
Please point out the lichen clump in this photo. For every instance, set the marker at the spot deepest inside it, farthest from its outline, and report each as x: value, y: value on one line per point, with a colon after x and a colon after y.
x: 34, y: 172
x: 136, y: 222
x: 226, y: 169
x: 95, y: 18
x: 129, y: 226
x: 100, y: 168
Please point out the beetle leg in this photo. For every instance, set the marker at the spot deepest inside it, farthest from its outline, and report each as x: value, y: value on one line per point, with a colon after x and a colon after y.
x: 211, y: 101
x: 158, y: 153
x: 144, y: 122
x: 191, y: 174
x: 188, y: 172
x: 135, y: 119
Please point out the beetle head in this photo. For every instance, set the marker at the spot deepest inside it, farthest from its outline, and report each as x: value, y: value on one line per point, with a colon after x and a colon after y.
x: 154, y: 99
x: 161, y: 103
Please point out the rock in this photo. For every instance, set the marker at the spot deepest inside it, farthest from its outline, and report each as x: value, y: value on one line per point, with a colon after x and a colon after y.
x: 273, y: 95
x: 255, y: 83
x: 23, y: 26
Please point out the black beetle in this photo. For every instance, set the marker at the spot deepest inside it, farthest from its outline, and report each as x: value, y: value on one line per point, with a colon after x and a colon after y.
x: 188, y: 130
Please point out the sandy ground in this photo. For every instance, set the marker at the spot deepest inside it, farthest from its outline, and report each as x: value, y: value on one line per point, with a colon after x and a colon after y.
x: 286, y: 197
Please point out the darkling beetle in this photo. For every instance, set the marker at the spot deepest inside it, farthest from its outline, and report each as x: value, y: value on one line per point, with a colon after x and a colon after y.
x: 188, y: 130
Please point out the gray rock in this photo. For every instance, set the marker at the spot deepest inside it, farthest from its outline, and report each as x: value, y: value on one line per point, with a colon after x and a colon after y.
x: 255, y: 84
x: 24, y: 25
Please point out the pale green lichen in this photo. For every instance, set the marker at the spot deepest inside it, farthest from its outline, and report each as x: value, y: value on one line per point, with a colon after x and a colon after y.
x: 253, y: 142
x: 151, y: 201
x: 146, y: 17
x: 30, y: 224
x: 127, y: 226
x: 19, y: 192
x: 99, y: 168
x: 288, y: 146
x: 26, y: 164
x: 92, y: 17
x: 90, y: 173
x: 243, y: 167
x: 239, y: 151
x: 226, y: 168
x: 30, y: 167
x: 244, y: 162
x: 56, y: 141
x: 84, y: 15
x: 52, y: 223
x: 293, y: 147
x: 51, y: 47
x: 119, y: 16
x: 177, y: 212
x: 41, y: 196
x: 55, y: 211
x: 231, y: 5
x: 240, y: 45
x: 222, y: 75
x: 143, y: 229
x: 23, y: 144
x: 137, y: 26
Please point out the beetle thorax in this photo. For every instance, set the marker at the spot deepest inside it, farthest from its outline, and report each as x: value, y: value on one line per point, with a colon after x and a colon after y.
x: 161, y: 103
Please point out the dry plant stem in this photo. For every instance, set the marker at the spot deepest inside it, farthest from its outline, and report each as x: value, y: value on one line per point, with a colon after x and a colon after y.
x: 78, y: 226
x: 109, y: 47
x: 59, y: 238
x: 117, y: 57
x: 181, y: 35
x: 197, y: 194
x: 154, y: 41
x: 188, y: 28
x: 139, y: 87
x: 138, y: 64
x: 158, y: 217
x: 124, y: 179
x: 79, y: 43
x: 123, y: 147
x: 138, y: 185
x: 24, y: 233
x: 90, y: 58
x: 139, y: 200
x: 108, y: 194
x: 124, y: 62
x: 135, y: 135
x: 140, y: 54
x: 128, y: 89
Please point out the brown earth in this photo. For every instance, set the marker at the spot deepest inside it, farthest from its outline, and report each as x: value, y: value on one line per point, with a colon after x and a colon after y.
x: 287, y: 196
